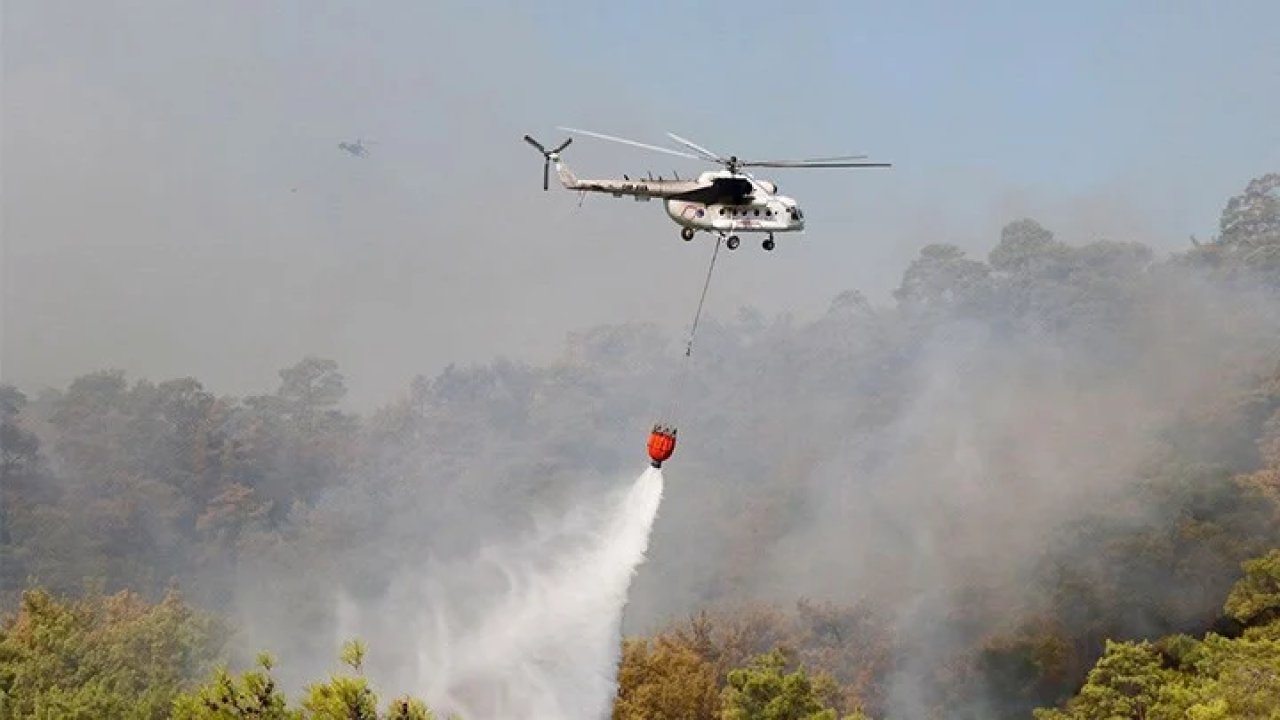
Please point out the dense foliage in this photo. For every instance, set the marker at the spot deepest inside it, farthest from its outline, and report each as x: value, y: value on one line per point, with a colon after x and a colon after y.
x: 1180, y: 677
x: 101, y: 656
x: 1022, y: 460
x: 120, y: 656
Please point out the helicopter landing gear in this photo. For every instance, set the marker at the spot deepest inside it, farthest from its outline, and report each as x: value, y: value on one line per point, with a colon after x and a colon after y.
x: 687, y: 234
x: 733, y: 242
x: 768, y: 242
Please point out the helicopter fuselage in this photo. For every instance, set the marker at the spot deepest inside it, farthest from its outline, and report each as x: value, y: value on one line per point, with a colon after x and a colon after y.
x: 772, y: 214
x: 717, y: 201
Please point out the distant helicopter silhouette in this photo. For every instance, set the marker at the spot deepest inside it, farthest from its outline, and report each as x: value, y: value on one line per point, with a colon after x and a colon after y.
x: 355, y: 149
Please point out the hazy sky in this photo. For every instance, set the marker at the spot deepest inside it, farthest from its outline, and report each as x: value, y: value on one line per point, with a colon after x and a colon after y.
x: 175, y: 202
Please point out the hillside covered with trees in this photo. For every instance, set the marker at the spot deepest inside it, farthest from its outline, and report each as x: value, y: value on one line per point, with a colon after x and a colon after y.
x: 1049, y: 479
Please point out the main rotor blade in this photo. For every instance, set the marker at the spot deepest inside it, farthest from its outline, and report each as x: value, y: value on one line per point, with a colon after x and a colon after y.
x: 633, y: 143
x: 834, y: 158
x: 535, y: 143
x: 806, y: 161
x: 810, y: 164
x: 563, y: 145
x: 546, y: 172
x: 696, y: 147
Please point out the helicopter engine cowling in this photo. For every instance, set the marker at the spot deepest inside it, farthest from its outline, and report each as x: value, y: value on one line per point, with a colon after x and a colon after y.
x: 771, y: 187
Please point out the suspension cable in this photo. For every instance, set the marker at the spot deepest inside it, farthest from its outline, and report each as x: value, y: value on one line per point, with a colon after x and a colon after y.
x: 688, y: 350
x: 683, y: 372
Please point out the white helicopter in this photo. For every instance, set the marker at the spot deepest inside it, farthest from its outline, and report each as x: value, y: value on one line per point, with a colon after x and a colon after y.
x: 724, y: 202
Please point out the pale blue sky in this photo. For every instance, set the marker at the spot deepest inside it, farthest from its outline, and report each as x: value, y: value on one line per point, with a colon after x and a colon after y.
x: 175, y: 202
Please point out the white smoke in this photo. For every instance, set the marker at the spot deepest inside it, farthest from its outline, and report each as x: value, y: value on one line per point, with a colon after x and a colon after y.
x: 529, y: 630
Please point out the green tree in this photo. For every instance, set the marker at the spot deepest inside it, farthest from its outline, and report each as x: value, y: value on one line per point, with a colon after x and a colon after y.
x: 1253, y: 217
x: 344, y: 697
x: 1125, y: 683
x: 295, y: 444
x: 1024, y: 245
x: 941, y: 276
x: 1248, y: 233
x: 1228, y: 678
x: 102, y: 656
x: 253, y: 694
x: 765, y: 691
x: 311, y: 387
x: 1180, y: 677
x: 407, y: 708
x: 1255, y: 599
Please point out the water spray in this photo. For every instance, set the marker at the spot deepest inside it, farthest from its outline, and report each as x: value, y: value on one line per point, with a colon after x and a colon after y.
x: 528, y: 627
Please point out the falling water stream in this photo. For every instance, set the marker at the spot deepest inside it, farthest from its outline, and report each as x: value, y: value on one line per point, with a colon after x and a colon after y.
x: 547, y: 647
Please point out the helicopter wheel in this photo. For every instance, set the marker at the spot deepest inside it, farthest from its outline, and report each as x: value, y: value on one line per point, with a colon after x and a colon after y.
x: 733, y: 242
x: 687, y: 234
x: 768, y: 244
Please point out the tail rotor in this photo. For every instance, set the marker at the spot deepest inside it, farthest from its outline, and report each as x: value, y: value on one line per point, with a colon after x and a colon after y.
x: 548, y: 156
